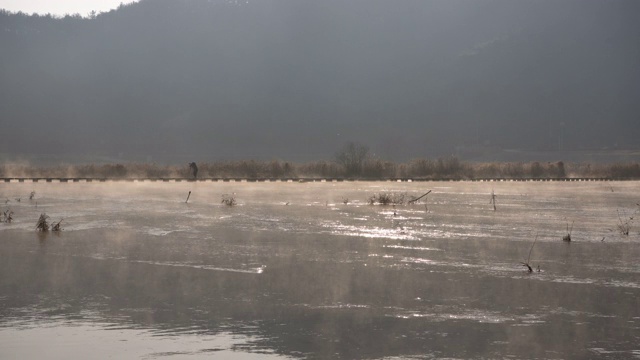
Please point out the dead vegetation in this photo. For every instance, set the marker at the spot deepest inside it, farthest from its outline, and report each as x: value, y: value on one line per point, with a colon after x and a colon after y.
x: 493, y: 200
x: 56, y: 226
x: 229, y: 200
x: 624, y: 223
x: 567, y: 237
x: 7, y: 216
x: 412, y: 201
x: 526, y: 263
x: 43, y: 223
x: 386, y: 198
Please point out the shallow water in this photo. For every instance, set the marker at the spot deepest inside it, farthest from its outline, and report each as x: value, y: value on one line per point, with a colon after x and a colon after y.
x: 294, y: 272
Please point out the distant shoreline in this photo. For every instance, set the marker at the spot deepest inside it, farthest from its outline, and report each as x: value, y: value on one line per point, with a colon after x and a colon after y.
x: 442, y: 169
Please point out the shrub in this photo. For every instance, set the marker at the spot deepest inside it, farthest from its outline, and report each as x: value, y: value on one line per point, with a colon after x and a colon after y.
x: 387, y: 198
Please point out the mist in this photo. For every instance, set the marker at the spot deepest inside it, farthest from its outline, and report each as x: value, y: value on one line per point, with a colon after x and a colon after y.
x: 165, y: 81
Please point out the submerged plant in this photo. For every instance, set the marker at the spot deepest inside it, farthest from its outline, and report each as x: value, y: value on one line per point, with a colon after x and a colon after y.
x: 229, y: 200
x: 43, y: 223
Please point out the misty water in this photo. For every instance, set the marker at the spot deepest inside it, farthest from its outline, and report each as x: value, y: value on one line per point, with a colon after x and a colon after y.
x: 294, y: 272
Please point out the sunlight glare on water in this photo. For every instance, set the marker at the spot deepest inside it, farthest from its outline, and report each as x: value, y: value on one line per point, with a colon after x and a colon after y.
x: 294, y: 271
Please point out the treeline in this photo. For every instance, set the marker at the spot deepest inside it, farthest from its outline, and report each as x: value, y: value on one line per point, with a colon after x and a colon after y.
x: 370, y: 169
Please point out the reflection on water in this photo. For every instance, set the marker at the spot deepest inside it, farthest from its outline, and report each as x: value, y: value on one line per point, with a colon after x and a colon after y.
x: 292, y: 272
x: 73, y: 338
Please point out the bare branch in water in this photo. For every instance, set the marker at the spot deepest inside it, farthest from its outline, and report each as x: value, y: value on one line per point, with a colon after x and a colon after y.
x: 56, y: 226
x: 420, y: 197
x: 529, y: 257
x: 624, y: 226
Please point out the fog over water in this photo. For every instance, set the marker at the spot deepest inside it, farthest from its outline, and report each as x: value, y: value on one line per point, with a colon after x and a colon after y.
x: 292, y: 271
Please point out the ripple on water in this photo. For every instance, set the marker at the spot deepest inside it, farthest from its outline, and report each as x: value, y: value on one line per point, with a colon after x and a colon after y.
x: 258, y: 270
x: 338, y: 306
x: 618, y: 353
x: 156, y: 231
x: 418, y: 248
x: 479, y: 316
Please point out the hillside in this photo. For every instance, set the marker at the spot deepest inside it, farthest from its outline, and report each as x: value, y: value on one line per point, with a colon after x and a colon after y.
x: 170, y: 80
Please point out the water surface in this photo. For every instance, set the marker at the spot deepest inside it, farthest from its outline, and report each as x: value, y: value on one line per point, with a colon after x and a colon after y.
x: 294, y: 270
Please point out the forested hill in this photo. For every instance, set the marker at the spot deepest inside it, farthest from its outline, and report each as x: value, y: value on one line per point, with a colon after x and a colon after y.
x: 296, y: 79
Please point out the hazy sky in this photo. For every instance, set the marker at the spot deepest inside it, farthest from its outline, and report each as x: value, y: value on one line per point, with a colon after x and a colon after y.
x: 60, y: 7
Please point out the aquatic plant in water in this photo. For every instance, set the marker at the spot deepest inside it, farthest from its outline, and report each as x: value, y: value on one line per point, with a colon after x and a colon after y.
x: 387, y: 199
x: 229, y: 200
x: 43, y: 223
x: 7, y: 216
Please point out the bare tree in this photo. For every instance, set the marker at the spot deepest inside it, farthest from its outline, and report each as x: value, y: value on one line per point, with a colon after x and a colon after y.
x: 352, y: 156
x: 194, y: 169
